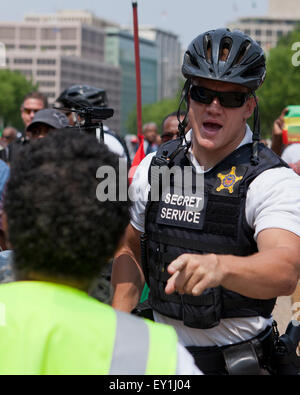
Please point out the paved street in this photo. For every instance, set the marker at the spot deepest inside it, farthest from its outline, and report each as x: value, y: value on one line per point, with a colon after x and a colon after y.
x: 283, y: 312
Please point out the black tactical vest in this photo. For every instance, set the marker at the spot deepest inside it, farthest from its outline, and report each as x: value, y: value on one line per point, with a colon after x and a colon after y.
x: 173, y: 228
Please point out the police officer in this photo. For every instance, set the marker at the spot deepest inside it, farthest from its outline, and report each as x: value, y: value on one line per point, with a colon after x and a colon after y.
x: 215, y: 261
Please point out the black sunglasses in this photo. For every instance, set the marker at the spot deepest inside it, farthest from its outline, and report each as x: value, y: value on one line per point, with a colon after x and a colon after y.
x: 226, y: 99
x: 29, y: 110
x: 168, y: 136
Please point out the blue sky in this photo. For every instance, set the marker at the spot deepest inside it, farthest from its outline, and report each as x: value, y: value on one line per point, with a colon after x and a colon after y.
x: 187, y: 18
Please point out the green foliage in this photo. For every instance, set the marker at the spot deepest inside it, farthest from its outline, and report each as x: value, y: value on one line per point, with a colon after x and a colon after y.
x: 13, y: 87
x: 155, y: 112
x: 282, y: 84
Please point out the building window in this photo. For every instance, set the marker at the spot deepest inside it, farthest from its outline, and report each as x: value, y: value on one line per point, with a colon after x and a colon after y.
x: 46, y: 72
x: 269, y: 33
x: 279, y: 33
x: 68, y: 34
x: 248, y: 32
x: 46, y: 83
x: 46, y: 61
x: 7, y: 33
x: 49, y: 33
x: 68, y: 47
x: 23, y: 60
x: 27, y: 33
x: 28, y: 47
x: 48, y: 48
x: 258, y: 32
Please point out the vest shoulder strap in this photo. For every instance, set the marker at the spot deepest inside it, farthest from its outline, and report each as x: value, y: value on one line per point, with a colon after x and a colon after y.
x: 168, y: 154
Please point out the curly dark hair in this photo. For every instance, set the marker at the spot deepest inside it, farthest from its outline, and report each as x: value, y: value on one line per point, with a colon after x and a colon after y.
x: 56, y: 225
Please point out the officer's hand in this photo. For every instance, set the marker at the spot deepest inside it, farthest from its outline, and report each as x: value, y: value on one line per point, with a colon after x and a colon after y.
x: 192, y: 274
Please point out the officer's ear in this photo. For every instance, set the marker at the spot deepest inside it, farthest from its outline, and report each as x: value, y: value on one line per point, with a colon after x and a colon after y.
x: 250, y: 106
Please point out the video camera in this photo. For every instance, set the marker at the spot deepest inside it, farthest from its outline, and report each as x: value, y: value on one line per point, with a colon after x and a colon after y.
x: 291, y: 129
x: 89, y: 118
x: 88, y: 114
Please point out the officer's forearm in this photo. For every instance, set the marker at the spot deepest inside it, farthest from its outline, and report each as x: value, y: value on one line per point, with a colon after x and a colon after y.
x: 264, y: 275
x: 128, y: 282
x: 273, y: 271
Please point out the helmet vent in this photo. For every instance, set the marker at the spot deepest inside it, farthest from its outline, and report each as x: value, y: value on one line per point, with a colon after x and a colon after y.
x: 191, y: 58
x: 242, y: 52
x: 225, y: 47
x: 207, y: 44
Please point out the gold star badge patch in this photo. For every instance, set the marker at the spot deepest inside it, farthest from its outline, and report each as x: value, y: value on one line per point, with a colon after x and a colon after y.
x: 228, y: 180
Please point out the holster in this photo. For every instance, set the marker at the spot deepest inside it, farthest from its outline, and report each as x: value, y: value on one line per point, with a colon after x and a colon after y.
x: 242, y: 359
x: 245, y: 358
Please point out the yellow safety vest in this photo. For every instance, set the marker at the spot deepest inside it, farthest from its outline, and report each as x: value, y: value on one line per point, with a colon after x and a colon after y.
x: 47, y: 328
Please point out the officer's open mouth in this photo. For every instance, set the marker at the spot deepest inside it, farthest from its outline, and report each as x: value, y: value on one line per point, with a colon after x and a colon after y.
x: 212, y: 126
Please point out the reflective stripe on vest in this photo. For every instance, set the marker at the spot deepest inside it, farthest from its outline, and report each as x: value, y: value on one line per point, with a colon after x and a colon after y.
x: 155, y: 347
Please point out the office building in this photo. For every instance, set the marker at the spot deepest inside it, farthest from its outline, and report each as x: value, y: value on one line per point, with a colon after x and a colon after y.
x: 169, y: 60
x: 281, y: 19
x: 120, y: 53
x: 70, y: 16
x: 59, y: 54
x: 288, y: 9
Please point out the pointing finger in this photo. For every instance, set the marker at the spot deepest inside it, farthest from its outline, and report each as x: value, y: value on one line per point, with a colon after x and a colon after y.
x: 170, y: 287
x: 177, y: 265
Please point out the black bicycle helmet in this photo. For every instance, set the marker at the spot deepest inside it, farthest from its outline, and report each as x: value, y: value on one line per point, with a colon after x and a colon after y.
x: 226, y: 56
x: 83, y: 95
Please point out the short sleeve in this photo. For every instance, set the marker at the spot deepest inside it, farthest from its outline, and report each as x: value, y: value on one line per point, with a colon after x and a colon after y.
x: 273, y: 201
x: 291, y: 154
x: 138, y: 193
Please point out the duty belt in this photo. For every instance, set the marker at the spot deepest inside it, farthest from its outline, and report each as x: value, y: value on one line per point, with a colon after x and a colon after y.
x: 243, y: 358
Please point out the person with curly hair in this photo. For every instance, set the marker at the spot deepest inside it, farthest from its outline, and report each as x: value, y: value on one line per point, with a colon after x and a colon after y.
x: 62, y: 235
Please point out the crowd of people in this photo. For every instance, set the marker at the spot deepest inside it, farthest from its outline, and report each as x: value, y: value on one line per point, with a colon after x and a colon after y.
x: 212, y: 259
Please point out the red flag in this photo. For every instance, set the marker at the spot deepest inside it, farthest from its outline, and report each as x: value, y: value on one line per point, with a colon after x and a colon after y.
x: 140, y: 154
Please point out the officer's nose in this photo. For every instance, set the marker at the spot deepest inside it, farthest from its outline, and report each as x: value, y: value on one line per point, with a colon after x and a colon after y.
x: 214, y: 107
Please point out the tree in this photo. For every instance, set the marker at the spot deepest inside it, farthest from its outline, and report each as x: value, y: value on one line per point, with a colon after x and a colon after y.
x: 13, y: 87
x: 282, y: 85
x: 155, y: 112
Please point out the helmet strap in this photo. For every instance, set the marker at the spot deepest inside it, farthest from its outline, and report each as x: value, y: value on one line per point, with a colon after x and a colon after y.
x: 256, y: 133
x: 184, y: 98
